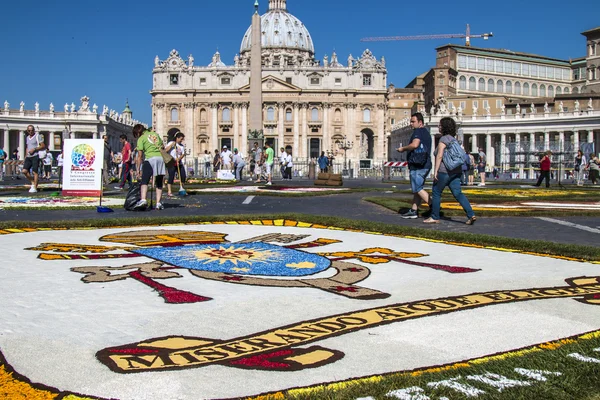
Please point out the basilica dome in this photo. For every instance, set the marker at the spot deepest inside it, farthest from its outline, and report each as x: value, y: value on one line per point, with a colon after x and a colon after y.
x: 280, y: 30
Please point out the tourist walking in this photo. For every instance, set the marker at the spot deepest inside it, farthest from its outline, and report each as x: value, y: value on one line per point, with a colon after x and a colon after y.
x: 47, y: 161
x: 443, y: 177
x: 207, y: 160
x: 481, y: 164
x: 258, y: 161
x: 323, y: 163
x: 419, y: 163
x: 216, y: 162
x: 226, y: 158
x: 594, y: 168
x: 149, y: 163
x: 177, y: 151
x: 34, y: 143
x: 269, y: 160
x: 289, y: 164
x: 126, y: 160
x: 545, y: 163
x: 580, y: 165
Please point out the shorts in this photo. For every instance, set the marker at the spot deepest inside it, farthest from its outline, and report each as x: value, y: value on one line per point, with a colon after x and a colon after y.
x: 48, y: 169
x: 31, y: 164
x: 417, y: 179
x: 480, y: 168
x: 268, y: 168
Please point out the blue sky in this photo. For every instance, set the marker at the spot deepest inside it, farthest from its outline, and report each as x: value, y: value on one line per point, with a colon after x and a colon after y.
x: 59, y: 51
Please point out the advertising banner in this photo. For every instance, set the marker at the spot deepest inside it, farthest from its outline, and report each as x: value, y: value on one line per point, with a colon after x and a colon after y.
x: 82, y: 170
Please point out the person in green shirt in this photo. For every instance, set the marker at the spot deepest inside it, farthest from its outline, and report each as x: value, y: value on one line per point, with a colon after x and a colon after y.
x: 149, y: 163
x: 269, y: 155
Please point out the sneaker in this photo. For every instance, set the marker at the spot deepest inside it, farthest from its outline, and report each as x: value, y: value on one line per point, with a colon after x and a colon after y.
x: 118, y: 188
x: 140, y: 204
x: 159, y: 206
x: 410, y: 214
x: 481, y: 184
x: 32, y: 190
x: 250, y: 180
x: 268, y: 184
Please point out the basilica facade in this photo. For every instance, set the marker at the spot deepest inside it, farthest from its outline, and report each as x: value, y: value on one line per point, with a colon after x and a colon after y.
x: 311, y: 104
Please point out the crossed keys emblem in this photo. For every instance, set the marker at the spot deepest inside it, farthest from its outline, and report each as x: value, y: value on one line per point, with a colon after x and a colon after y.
x: 270, y: 260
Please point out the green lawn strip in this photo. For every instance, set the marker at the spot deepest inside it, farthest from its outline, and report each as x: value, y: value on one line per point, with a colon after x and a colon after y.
x: 395, y: 204
x: 587, y: 253
x: 570, y: 196
x: 578, y: 379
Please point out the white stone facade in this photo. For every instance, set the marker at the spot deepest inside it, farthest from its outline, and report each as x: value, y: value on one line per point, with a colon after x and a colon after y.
x: 308, y: 104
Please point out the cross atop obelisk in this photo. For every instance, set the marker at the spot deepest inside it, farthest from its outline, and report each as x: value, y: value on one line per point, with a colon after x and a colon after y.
x: 256, y: 123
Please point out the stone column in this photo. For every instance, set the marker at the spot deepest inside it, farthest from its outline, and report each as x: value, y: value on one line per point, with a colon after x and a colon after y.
x: 21, y: 145
x: 189, y: 130
x: 488, y: 150
x: 280, y: 126
x: 295, y: 149
x: 575, y: 141
x: 302, y: 147
x: 244, y: 110
x: 325, y: 138
x: 214, y: 128
x: 380, y: 133
x: 561, y: 141
x: 6, y: 143
x: 503, y: 151
x: 474, y: 146
x: 237, y: 141
x: 518, y: 157
x: 546, y: 141
x: 160, y: 118
x: 590, y: 136
x: 50, y: 143
x: 531, y: 150
x: 350, y: 133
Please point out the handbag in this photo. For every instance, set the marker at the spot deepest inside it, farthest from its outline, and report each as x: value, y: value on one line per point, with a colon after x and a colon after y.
x: 167, y: 158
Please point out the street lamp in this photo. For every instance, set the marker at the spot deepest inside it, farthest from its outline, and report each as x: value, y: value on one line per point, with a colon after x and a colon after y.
x: 345, y: 145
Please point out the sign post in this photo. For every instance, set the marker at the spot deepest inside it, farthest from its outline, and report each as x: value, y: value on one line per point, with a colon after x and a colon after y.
x: 82, y: 169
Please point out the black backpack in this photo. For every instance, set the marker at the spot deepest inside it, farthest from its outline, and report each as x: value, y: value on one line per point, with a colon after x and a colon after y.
x: 133, y: 196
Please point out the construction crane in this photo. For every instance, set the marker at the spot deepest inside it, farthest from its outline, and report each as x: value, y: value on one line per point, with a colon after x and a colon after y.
x: 467, y: 36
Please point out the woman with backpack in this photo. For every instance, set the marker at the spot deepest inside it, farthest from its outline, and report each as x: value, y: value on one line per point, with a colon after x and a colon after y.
x: 443, y: 176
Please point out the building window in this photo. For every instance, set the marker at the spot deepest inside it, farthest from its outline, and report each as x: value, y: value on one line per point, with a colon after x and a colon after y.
x: 174, y: 79
x: 174, y: 114
x: 367, y: 80
x: 498, y: 103
x: 225, y: 80
x: 315, y: 80
x: 566, y: 90
x: 500, y: 87
x: 566, y: 73
x: 489, y: 65
x: 542, y: 90
x: 542, y: 71
x: 226, y: 114
x: 366, y: 115
x: 270, y: 114
x: 481, y: 85
x: 475, y: 104
x: 472, y: 85
x: 338, y: 81
x: 517, y: 88
x: 203, y: 81
x: 338, y: 114
x: 576, y: 74
x: 393, y: 121
x: 558, y: 90
x: 508, y: 87
x: 314, y: 147
x: 462, y: 61
x: 480, y: 64
x: 534, y: 70
x: 516, y: 68
x: 490, y: 85
x: 288, y: 80
x: 486, y: 104
x: 314, y: 114
x: 463, y: 104
x: 525, y: 70
x: 288, y: 114
x: 550, y: 91
x: 499, y: 66
x: 534, y: 91
x: 462, y: 83
x: 472, y: 61
x: 203, y: 115
x: 526, y: 89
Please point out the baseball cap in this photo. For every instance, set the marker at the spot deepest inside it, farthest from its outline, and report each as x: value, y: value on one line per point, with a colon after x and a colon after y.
x: 224, y: 147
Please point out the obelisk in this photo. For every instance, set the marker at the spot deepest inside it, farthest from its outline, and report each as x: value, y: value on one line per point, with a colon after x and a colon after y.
x: 256, y: 123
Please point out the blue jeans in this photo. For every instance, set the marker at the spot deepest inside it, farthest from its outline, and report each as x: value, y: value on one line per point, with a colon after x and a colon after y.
x: 453, y: 182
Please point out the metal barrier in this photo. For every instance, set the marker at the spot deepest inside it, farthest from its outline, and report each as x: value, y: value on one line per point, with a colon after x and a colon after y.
x: 12, y: 168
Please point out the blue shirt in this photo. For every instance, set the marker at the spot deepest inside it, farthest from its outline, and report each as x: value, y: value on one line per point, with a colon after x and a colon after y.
x: 423, y: 135
x: 323, y: 162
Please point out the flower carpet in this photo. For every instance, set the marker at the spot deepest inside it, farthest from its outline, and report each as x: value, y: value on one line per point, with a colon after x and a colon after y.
x: 267, y: 189
x: 58, y: 201
x: 271, y: 308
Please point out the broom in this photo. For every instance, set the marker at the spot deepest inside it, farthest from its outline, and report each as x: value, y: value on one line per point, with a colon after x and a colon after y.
x: 182, y: 191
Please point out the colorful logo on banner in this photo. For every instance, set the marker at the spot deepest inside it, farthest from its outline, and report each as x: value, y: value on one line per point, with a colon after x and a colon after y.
x: 83, y: 157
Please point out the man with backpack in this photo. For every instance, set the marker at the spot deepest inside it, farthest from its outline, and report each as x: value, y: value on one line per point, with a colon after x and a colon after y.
x: 419, y: 163
x: 34, y: 143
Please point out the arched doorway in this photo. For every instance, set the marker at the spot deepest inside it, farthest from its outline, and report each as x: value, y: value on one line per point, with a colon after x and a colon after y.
x: 366, y: 146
